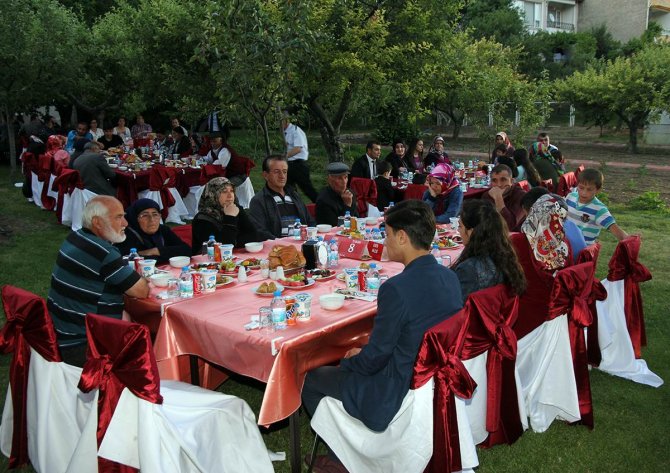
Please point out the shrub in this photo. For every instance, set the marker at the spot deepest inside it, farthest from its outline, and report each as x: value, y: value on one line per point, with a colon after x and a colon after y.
x: 649, y: 201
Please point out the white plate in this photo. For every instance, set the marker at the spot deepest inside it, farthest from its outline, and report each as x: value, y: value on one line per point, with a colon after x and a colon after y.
x: 310, y: 282
x: 379, y: 266
x: 280, y: 288
x: 227, y: 280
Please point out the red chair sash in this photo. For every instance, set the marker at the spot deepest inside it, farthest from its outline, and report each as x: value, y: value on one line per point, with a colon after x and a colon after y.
x: 565, y: 183
x: 366, y: 192
x: 439, y: 357
x: 491, y: 314
x: 28, y: 325
x: 210, y: 171
x: 238, y: 165
x: 161, y: 179
x: 45, y: 170
x: 415, y: 191
x: 119, y: 355
x: 30, y: 165
x: 598, y: 293
x: 571, y: 295
x: 624, y: 265
x: 65, y: 183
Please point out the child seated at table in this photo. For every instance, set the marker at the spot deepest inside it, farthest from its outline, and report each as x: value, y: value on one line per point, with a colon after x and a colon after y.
x: 385, y: 191
x: 587, y: 211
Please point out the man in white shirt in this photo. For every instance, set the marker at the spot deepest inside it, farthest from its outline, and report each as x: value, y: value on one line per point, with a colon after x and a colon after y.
x: 297, y: 154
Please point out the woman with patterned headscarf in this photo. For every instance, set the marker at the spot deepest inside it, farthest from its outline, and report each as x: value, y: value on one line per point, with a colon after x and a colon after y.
x: 219, y: 215
x: 500, y: 140
x: 444, y: 194
x: 437, y: 154
x: 544, y: 162
x: 56, y: 149
x: 543, y: 228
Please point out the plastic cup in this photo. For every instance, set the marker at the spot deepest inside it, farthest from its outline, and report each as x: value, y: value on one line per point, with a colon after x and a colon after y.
x: 208, y: 280
x: 148, y: 267
x: 351, y: 278
x: 303, y: 302
x: 226, y: 251
x: 454, y: 223
x: 265, y: 320
x: 446, y: 261
x: 173, y: 287
x: 311, y: 233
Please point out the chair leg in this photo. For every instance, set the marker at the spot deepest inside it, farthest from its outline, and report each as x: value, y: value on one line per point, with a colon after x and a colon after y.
x: 317, y: 439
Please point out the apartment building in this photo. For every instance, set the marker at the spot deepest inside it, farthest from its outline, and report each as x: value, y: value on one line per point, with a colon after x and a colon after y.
x: 625, y: 19
x: 549, y: 15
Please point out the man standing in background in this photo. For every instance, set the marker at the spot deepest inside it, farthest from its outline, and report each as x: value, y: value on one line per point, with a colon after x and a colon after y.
x: 297, y: 154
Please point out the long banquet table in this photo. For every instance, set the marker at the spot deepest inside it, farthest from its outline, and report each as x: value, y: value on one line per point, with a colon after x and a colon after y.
x: 130, y: 183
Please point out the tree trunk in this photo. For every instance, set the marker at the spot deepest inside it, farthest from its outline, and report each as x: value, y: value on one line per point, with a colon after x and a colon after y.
x: 266, y: 134
x: 632, y: 137
x: 11, y: 140
x: 330, y: 134
x: 457, y: 129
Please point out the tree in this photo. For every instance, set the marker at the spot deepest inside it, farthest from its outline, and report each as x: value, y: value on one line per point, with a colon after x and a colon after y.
x: 634, y: 88
x: 557, y: 54
x: 498, y: 20
x: 40, y: 53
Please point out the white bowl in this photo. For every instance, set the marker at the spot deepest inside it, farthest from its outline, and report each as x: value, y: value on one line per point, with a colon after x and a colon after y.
x: 180, y: 261
x: 371, y: 221
x: 160, y: 279
x: 254, y: 246
x: 332, y: 301
x: 123, y: 168
x: 113, y: 166
x: 324, y: 228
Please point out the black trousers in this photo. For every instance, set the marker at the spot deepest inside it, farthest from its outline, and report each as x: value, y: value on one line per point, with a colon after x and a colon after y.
x: 74, y: 355
x: 319, y: 383
x: 298, y: 175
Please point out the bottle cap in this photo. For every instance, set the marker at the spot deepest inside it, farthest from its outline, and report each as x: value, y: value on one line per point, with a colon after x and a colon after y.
x: 133, y: 250
x: 373, y: 266
x: 185, y: 268
x: 277, y: 293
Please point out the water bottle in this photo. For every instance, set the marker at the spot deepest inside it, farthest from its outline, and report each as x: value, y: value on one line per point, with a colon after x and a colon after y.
x: 391, y: 204
x: 368, y: 234
x: 210, y: 247
x: 278, y: 308
x: 333, y: 254
x: 435, y: 251
x: 132, y: 256
x: 372, y: 279
x: 347, y: 220
x: 296, y: 229
x: 185, y: 283
x: 376, y: 234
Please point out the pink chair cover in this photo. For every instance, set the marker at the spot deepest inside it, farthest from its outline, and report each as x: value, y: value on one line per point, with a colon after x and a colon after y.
x: 28, y: 325
x: 120, y: 355
x: 624, y: 265
x: 366, y: 193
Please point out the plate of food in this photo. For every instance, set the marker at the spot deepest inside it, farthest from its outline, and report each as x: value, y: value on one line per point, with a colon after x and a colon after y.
x: 222, y: 280
x: 356, y: 235
x: 450, y: 243
x: 322, y: 274
x: 250, y: 263
x: 267, y: 289
x: 366, y: 266
x: 227, y: 267
x: 297, y: 281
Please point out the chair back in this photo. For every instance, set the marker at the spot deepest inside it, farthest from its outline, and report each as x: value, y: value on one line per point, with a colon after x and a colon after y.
x: 439, y: 357
x: 624, y: 265
x: 547, y: 184
x: 162, y: 178
x: 28, y: 325
x: 570, y: 295
x: 579, y: 169
x: 566, y: 183
x: 525, y: 185
x: 185, y: 233
x: 415, y: 191
x: 366, y: 193
x: 66, y: 182
x: 491, y: 313
x: 119, y: 355
x: 311, y: 209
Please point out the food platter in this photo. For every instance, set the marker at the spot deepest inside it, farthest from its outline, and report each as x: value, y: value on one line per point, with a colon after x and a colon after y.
x: 222, y: 281
x: 270, y: 293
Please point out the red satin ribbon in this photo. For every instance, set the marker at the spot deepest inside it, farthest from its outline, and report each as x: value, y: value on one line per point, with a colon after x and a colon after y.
x: 28, y: 325
x: 598, y: 293
x: 65, y: 183
x: 160, y: 179
x: 624, y: 265
x: 119, y: 355
x: 45, y: 169
x: 210, y: 171
x: 571, y: 295
x: 439, y: 357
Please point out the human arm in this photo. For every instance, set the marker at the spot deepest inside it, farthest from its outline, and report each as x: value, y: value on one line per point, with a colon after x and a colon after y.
x: 618, y: 232
x: 140, y: 289
x: 259, y: 216
x: 116, y: 273
x: 293, y: 151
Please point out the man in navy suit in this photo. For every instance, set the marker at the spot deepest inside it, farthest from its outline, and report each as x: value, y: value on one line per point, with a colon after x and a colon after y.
x: 372, y: 381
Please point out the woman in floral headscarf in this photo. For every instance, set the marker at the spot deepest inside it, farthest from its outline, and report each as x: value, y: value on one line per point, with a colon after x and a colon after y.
x: 502, y: 139
x: 543, y: 228
x: 219, y: 215
x: 544, y: 162
x: 55, y: 149
x: 437, y: 154
x: 444, y: 194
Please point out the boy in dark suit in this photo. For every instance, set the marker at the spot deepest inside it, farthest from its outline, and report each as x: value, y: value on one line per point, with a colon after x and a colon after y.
x: 385, y: 190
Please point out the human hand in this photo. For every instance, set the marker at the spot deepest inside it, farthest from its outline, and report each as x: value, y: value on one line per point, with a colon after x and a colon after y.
x: 150, y: 252
x: 352, y: 352
x: 347, y: 197
x: 231, y: 209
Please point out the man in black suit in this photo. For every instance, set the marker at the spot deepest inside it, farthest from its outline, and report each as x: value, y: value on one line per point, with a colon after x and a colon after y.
x: 366, y: 165
x: 372, y: 381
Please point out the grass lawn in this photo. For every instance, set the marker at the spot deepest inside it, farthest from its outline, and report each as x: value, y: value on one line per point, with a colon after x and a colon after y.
x: 631, y: 428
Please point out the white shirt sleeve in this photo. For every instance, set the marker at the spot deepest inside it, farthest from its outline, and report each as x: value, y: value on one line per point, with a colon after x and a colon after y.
x: 224, y: 158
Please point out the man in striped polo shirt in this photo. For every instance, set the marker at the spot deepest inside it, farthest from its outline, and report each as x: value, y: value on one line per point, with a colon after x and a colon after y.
x: 587, y: 212
x: 90, y: 276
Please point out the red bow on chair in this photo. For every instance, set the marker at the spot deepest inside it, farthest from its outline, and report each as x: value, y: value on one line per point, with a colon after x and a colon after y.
x: 28, y: 325
x: 161, y: 179
x: 598, y: 293
x: 210, y: 171
x: 571, y: 295
x: 491, y: 314
x: 624, y: 265
x: 439, y: 357
x: 65, y: 183
x: 119, y: 356
x: 44, y: 172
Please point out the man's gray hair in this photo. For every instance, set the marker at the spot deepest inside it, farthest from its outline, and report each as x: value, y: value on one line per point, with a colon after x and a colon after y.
x: 96, y: 207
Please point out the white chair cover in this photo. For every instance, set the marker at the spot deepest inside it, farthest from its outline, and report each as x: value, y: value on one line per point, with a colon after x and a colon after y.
x: 404, y: 447
x: 244, y: 193
x: 50, y: 191
x: 78, y: 201
x: 175, y: 212
x: 60, y: 437
x: 475, y: 407
x: 618, y: 357
x: 544, y: 365
x: 37, y: 190
x: 192, y: 200
x: 194, y: 430
x: 66, y: 213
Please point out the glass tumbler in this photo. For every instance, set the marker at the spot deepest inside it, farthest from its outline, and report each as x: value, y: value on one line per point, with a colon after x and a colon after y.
x: 265, y: 320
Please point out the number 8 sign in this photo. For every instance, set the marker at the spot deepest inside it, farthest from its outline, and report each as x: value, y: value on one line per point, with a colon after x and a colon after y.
x: 352, y: 249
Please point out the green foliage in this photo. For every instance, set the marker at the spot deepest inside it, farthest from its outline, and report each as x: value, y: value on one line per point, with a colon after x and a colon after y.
x: 578, y: 51
x: 651, y: 201
x: 497, y: 20
x: 603, y: 197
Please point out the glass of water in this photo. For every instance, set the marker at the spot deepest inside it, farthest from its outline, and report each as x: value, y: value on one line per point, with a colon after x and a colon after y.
x: 265, y: 320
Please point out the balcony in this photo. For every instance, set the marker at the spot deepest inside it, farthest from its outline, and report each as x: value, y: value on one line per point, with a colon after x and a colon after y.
x: 660, y: 5
x: 560, y: 25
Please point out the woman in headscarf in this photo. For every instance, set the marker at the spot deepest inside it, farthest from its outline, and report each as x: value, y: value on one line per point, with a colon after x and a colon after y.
x: 544, y: 162
x: 437, y: 154
x: 219, y: 215
x: 502, y: 139
x: 543, y: 228
x: 55, y: 149
x: 146, y: 233
x: 444, y: 194
x: 396, y: 158
x: 525, y: 168
x: 488, y: 258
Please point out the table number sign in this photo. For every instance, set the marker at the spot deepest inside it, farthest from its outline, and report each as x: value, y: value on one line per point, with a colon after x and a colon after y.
x: 375, y: 250
x: 350, y: 248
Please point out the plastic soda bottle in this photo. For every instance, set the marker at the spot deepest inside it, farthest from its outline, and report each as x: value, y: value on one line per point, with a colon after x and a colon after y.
x: 296, y: 229
x: 185, y: 283
x: 132, y: 256
x: 211, y: 243
x: 372, y: 279
x: 347, y: 220
x: 333, y: 254
x: 435, y: 251
x: 278, y: 308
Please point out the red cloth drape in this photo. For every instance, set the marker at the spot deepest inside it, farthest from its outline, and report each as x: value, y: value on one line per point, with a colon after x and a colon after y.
x: 65, y: 183
x: 45, y: 169
x: 571, y: 295
x: 491, y: 314
x: 366, y: 192
x: 565, y: 183
x: 210, y: 171
x: 28, y: 325
x: 624, y: 265
x: 598, y: 293
x: 30, y: 165
x: 439, y: 357
x: 415, y: 191
x: 161, y: 179
x: 119, y: 355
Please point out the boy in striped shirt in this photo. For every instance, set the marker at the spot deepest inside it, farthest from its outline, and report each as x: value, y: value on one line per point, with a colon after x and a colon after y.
x: 589, y: 213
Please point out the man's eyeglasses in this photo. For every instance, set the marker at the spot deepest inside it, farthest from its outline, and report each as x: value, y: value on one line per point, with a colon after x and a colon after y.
x: 148, y: 216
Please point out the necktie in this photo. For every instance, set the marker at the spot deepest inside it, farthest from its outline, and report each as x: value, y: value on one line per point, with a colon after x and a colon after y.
x: 374, y: 169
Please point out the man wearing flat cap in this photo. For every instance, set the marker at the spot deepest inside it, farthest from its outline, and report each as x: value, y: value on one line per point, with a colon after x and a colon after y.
x: 335, y: 199
x: 94, y: 171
